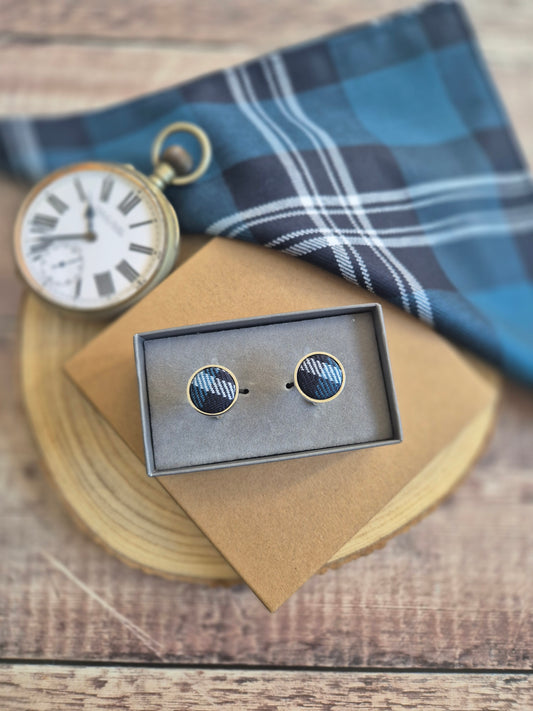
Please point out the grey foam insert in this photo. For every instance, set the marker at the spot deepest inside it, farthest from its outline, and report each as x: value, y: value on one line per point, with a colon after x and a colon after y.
x: 271, y: 419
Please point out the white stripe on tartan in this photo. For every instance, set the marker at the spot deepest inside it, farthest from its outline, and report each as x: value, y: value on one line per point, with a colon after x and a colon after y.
x: 217, y: 387
x: 503, y: 181
x: 293, y: 113
x: 205, y: 381
x: 491, y: 230
x: 328, y: 222
x: 508, y: 185
x: 22, y: 145
x: 430, y: 233
x: 393, y: 264
x: 310, y: 366
x: 228, y: 388
x: 253, y: 111
x: 332, y: 210
x: 221, y: 388
x: 331, y: 373
x: 287, y: 110
x: 322, y: 370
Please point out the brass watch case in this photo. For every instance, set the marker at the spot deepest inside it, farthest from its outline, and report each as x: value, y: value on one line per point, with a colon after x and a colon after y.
x: 167, y: 259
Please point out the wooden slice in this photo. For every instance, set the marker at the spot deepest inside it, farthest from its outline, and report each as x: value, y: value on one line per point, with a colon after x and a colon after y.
x: 106, y: 488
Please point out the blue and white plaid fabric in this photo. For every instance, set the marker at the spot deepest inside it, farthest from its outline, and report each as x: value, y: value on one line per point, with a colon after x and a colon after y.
x: 213, y: 390
x: 320, y: 377
x: 381, y: 153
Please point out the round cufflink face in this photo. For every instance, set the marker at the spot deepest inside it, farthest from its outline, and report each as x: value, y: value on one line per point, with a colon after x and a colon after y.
x: 319, y: 377
x: 212, y: 390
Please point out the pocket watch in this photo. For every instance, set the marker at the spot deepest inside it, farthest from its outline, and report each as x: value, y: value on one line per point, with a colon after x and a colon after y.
x: 94, y: 238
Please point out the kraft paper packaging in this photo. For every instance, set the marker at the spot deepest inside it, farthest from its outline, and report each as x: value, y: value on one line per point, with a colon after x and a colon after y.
x: 278, y: 523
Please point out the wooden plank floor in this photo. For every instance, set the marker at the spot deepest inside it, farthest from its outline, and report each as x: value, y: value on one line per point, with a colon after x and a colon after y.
x: 148, y: 689
x: 441, y: 618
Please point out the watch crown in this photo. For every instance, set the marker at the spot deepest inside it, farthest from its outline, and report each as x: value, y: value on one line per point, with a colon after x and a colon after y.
x: 175, y: 160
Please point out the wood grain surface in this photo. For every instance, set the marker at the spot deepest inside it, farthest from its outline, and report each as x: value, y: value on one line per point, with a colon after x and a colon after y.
x: 106, y: 488
x: 453, y: 594
x: 95, y: 689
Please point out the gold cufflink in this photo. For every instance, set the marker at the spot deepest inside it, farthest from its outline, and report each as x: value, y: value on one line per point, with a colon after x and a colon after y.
x: 212, y: 390
x: 319, y: 377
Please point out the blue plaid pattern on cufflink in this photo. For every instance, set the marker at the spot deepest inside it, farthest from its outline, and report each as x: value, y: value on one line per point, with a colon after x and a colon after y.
x: 320, y: 377
x: 212, y: 390
x: 381, y: 153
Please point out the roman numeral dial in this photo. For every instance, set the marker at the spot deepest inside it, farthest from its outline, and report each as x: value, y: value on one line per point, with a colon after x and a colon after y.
x: 104, y: 283
x: 143, y: 249
x: 58, y: 204
x: 128, y: 203
x: 127, y: 270
x: 79, y: 189
x: 107, y: 187
x: 43, y: 223
x: 94, y: 237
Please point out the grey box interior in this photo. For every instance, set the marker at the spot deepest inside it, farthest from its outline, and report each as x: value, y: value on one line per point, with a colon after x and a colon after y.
x: 271, y: 421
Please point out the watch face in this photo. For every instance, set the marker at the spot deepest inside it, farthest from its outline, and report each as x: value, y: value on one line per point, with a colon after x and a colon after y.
x: 91, y: 237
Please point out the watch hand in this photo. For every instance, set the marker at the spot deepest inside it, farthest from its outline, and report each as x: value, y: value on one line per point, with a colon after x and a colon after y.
x: 66, y: 263
x: 46, y: 241
x: 89, y: 216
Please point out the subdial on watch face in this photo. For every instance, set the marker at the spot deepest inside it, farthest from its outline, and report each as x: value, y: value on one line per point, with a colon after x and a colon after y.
x: 91, y: 238
x: 61, y: 267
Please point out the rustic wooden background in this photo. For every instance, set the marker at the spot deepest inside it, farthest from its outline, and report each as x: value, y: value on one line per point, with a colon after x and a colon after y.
x: 439, y: 619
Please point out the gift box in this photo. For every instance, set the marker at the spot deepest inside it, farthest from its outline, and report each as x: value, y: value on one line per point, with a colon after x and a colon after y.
x: 271, y: 421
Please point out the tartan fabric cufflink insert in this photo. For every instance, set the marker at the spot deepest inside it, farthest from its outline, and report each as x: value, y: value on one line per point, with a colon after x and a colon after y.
x: 319, y: 377
x: 212, y: 390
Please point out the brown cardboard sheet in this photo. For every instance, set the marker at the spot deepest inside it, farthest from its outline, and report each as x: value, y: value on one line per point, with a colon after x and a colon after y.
x: 277, y: 524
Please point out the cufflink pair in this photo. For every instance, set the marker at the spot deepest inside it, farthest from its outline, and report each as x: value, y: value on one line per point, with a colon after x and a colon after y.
x: 318, y: 377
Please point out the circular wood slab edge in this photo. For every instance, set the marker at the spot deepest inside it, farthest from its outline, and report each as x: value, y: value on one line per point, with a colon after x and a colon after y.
x: 105, y: 487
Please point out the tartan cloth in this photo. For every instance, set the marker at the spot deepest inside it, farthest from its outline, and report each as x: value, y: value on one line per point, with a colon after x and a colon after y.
x: 381, y: 153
